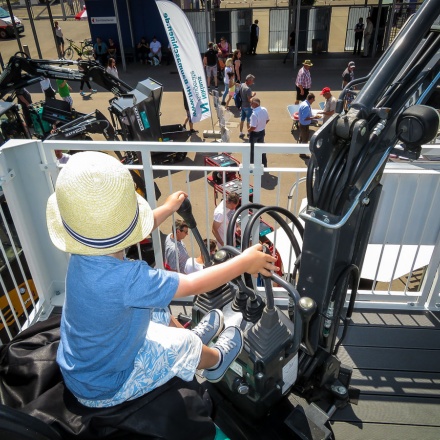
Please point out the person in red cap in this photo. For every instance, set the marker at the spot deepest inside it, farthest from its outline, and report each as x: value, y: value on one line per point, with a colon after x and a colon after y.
x: 330, y: 104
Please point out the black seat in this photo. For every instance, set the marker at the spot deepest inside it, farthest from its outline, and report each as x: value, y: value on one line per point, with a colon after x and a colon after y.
x: 17, y: 425
x: 31, y: 387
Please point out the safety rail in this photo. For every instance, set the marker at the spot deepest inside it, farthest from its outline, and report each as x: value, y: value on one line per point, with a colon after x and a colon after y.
x: 401, y: 268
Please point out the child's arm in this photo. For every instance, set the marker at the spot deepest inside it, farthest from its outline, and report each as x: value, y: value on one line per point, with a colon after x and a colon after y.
x: 172, y: 204
x: 252, y: 260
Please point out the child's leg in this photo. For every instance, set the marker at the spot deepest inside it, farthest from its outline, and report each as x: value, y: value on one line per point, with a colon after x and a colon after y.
x: 209, y: 358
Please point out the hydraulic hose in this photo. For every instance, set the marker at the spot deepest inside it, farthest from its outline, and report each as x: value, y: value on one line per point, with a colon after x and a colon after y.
x: 272, y: 212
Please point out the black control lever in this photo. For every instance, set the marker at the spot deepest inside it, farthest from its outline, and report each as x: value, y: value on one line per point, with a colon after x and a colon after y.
x: 185, y: 211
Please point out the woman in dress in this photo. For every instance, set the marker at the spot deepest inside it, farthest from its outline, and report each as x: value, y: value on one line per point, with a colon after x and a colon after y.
x: 236, y: 60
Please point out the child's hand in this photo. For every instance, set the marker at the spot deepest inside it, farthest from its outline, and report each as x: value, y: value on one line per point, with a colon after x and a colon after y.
x: 174, y: 201
x: 258, y: 261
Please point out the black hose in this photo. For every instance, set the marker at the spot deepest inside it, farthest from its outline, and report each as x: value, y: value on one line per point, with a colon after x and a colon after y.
x: 272, y: 212
x: 233, y: 221
x: 330, y: 181
x: 353, y: 270
x: 350, y: 308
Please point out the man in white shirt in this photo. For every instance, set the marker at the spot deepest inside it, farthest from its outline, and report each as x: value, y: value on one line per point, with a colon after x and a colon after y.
x: 155, y: 50
x: 329, y: 106
x: 257, y: 129
x: 222, y: 216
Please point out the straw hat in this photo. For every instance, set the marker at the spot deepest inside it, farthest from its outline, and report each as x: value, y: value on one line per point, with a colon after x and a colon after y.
x: 307, y: 63
x: 95, y: 209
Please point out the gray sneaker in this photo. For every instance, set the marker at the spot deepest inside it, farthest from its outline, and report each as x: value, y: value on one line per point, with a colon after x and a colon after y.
x: 229, y: 343
x: 209, y: 326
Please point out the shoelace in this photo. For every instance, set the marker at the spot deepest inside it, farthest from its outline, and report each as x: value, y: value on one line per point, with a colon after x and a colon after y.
x: 225, y: 344
x: 202, y: 328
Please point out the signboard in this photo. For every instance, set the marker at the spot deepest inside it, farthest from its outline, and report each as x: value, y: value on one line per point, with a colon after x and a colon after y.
x: 103, y: 20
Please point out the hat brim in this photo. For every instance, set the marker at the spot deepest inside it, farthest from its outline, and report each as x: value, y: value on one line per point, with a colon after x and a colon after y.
x: 63, y: 241
x: 308, y: 64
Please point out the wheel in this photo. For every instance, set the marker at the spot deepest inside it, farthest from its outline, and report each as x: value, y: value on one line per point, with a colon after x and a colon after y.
x: 180, y: 156
x: 88, y: 52
x: 3, y: 33
x: 68, y: 53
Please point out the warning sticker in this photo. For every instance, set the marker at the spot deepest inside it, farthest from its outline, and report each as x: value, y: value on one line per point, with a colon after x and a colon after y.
x: 290, y: 373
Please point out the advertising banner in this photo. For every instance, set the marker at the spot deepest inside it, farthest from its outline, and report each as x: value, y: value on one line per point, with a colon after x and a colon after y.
x: 186, y: 54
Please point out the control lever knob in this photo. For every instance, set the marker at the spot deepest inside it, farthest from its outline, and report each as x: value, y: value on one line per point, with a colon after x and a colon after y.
x: 307, y: 307
x: 220, y: 256
x: 185, y: 211
x: 243, y: 388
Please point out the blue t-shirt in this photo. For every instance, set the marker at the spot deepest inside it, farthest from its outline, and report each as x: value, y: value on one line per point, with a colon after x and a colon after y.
x: 105, y: 319
x: 304, y: 111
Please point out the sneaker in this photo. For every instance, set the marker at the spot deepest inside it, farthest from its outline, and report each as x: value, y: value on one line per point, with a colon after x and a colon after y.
x: 93, y: 91
x: 229, y: 344
x: 241, y: 136
x: 82, y: 93
x: 223, y: 103
x: 209, y: 326
x: 192, y: 131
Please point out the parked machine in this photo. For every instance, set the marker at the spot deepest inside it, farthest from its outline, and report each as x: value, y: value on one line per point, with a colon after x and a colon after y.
x: 135, y: 113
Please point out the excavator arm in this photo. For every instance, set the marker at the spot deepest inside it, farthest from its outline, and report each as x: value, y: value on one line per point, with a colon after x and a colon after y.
x: 349, y: 154
x: 22, y: 71
x: 94, y: 122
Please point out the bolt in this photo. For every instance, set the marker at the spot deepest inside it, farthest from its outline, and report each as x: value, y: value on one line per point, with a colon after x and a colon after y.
x: 339, y: 389
x: 326, y: 220
x: 437, y: 305
x: 411, y: 304
x: 366, y: 201
x: 57, y: 292
x: 259, y: 376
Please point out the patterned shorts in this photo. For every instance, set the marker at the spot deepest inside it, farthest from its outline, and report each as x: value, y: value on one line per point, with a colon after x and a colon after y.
x: 167, y: 352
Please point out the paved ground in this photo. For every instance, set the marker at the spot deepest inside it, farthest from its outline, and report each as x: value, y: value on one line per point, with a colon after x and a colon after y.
x: 274, y: 86
x: 274, y: 80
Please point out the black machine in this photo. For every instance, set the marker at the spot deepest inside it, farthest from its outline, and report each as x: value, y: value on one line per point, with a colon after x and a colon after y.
x: 296, y: 350
x: 135, y: 113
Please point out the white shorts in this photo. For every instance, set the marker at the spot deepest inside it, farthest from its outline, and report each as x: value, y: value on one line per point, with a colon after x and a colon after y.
x: 167, y: 352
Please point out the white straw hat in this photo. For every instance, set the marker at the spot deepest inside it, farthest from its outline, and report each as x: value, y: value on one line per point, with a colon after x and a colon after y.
x: 95, y: 209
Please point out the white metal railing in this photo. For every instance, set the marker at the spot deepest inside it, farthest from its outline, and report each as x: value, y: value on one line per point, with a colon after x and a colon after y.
x: 405, y: 234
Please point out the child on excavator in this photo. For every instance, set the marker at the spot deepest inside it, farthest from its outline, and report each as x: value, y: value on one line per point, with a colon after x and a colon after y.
x: 117, y: 339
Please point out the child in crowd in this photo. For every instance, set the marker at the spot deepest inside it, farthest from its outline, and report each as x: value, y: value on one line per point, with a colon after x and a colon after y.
x: 64, y: 91
x: 198, y: 263
x: 231, y: 78
x: 118, y: 341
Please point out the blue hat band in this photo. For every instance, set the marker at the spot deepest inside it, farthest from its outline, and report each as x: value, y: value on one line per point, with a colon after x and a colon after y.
x: 103, y: 243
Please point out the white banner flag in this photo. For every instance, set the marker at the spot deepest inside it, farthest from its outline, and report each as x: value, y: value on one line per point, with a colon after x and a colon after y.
x: 188, y: 60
